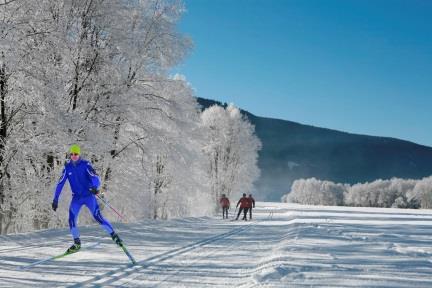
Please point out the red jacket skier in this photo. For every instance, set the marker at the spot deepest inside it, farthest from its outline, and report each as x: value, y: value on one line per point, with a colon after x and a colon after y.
x: 225, y: 204
x: 244, y: 206
x: 224, y: 201
x: 243, y: 202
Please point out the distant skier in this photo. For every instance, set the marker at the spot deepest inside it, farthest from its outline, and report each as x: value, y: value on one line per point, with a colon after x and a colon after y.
x: 85, y: 184
x: 244, y: 206
x: 251, y: 205
x: 225, y: 204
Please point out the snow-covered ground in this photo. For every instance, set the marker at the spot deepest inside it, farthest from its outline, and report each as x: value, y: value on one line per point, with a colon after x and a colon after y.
x: 284, y: 246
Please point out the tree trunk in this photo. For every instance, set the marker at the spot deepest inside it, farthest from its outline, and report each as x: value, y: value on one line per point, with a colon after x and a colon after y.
x: 113, y: 154
x: 3, y: 135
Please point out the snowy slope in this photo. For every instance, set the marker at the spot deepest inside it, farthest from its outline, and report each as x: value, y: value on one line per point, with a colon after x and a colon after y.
x: 285, y: 246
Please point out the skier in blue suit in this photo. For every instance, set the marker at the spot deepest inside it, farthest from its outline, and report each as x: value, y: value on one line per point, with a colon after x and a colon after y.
x: 85, y: 184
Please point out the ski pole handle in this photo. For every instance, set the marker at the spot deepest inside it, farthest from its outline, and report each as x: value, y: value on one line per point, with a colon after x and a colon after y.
x: 109, y: 206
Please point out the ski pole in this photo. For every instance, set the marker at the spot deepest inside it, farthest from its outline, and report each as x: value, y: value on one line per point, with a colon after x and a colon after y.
x: 109, y: 206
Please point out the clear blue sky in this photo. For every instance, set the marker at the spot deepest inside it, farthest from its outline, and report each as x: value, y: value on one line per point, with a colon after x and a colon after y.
x: 356, y: 66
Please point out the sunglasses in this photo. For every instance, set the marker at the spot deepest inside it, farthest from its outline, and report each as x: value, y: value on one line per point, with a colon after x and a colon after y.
x: 74, y: 154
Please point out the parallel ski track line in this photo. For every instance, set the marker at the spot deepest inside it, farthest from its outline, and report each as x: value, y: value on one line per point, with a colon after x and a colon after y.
x: 28, y: 247
x: 178, y: 271
x: 247, y: 273
x: 127, y: 270
x: 175, y: 272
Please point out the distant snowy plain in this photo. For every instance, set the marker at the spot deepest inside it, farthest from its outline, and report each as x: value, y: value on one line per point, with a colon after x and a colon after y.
x: 285, y: 245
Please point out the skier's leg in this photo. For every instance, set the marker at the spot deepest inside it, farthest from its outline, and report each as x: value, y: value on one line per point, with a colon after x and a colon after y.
x: 238, y: 215
x: 74, y: 208
x: 245, y: 213
x: 93, y: 206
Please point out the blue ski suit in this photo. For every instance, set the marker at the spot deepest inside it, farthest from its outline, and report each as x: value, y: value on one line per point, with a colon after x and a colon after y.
x: 82, y: 177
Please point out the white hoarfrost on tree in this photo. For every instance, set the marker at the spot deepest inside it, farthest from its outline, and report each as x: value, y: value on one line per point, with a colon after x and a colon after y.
x: 381, y: 193
x: 396, y: 192
x: 422, y: 193
x: 171, y: 159
x: 25, y: 166
x: 95, y: 72
x: 232, y: 151
x: 316, y: 192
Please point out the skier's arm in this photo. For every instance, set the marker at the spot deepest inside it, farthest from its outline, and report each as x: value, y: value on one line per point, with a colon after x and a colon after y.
x: 94, y: 177
x: 60, y: 185
x: 238, y: 203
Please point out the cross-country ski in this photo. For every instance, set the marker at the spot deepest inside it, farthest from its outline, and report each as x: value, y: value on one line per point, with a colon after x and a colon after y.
x: 128, y: 254
x: 59, y: 256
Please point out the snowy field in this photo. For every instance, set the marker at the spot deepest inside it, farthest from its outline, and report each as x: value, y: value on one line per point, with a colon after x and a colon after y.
x: 284, y: 246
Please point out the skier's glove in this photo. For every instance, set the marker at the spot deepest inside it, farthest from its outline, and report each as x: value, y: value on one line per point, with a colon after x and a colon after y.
x: 94, y: 190
x: 54, y: 205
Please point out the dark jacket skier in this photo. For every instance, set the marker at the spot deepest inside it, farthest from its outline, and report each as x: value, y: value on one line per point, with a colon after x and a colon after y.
x: 251, y: 205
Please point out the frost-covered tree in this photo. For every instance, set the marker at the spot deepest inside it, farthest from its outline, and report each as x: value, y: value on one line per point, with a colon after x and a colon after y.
x: 232, y: 151
x: 395, y: 192
x: 380, y: 193
x: 172, y: 158
x: 316, y: 192
x: 421, y: 193
x: 22, y: 150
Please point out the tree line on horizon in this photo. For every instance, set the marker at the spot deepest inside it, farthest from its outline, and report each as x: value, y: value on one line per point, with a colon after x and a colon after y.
x: 391, y: 193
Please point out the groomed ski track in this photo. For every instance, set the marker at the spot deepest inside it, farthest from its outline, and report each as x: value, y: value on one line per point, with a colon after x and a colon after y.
x: 286, y: 246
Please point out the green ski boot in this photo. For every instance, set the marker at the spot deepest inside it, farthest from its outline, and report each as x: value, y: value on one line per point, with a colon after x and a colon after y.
x: 75, y: 247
